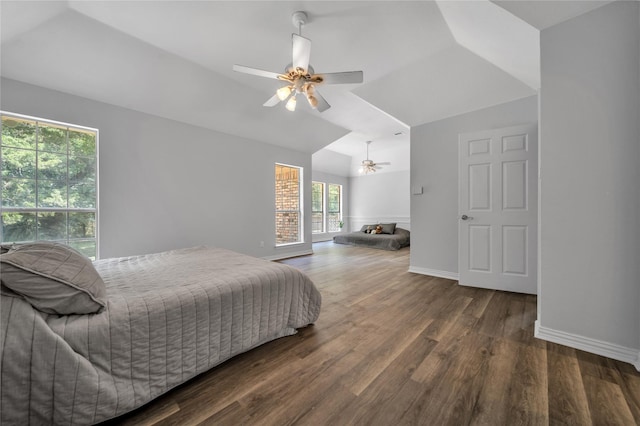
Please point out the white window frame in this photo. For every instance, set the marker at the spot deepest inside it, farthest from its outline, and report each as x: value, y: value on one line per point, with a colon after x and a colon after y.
x: 300, y: 210
x: 324, y: 207
x: 37, y: 209
x: 341, y: 205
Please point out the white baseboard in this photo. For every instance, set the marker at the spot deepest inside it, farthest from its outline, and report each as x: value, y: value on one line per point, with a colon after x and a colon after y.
x: 288, y: 255
x: 323, y: 238
x: 587, y: 344
x: 434, y: 273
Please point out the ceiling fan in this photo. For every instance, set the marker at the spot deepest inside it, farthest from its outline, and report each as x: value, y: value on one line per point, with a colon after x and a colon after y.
x: 300, y: 76
x: 368, y: 166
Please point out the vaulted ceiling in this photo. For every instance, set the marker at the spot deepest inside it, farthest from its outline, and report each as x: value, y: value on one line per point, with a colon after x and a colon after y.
x: 422, y: 61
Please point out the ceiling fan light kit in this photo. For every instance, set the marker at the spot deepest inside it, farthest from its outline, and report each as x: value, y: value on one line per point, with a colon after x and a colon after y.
x: 367, y: 167
x: 291, y: 104
x: 300, y: 75
x: 284, y: 92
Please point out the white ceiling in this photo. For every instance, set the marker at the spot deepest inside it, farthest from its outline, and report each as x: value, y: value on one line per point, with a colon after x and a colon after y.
x: 543, y: 14
x: 422, y: 61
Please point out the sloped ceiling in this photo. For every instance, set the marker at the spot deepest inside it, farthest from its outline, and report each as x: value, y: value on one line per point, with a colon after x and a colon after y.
x: 545, y: 14
x: 496, y: 35
x: 422, y: 61
x: 453, y: 77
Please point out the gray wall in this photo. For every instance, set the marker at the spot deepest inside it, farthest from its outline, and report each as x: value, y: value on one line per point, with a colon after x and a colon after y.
x: 319, y: 176
x: 165, y: 185
x: 380, y: 197
x: 590, y: 180
x: 434, y: 166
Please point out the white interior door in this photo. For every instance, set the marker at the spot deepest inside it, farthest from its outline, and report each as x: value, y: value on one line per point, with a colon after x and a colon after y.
x: 498, y: 205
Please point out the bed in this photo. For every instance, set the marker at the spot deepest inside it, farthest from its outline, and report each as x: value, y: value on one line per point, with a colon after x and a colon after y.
x: 161, y: 320
x: 391, y: 238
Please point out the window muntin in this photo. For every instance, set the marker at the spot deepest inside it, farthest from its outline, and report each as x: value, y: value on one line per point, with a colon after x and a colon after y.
x: 317, y: 207
x: 288, y: 181
x: 48, y: 182
x: 334, y: 207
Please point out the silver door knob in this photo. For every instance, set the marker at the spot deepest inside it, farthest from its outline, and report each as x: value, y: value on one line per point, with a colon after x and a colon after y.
x: 465, y: 217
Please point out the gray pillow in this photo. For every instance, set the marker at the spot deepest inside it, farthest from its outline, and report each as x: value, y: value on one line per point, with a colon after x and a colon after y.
x: 388, y: 228
x: 54, y: 278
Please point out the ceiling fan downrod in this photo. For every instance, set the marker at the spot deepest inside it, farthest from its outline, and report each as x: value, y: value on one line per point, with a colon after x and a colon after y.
x: 299, y: 19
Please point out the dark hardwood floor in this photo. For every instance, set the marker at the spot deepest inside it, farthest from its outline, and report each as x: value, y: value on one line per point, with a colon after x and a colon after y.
x: 396, y: 348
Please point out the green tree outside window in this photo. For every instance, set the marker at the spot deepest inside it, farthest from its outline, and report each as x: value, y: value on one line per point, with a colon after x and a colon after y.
x: 48, y: 183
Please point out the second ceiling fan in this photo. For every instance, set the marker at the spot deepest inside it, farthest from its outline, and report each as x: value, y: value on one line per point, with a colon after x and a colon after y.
x: 368, y: 166
x: 300, y: 75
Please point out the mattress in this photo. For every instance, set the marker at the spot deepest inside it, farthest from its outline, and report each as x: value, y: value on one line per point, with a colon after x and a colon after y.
x: 169, y: 317
x: 399, y: 239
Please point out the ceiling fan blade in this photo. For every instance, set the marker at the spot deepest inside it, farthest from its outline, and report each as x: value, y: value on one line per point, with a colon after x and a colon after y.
x: 301, y: 51
x: 259, y: 73
x: 323, y: 105
x: 273, y: 101
x: 383, y: 164
x: 342, y: 77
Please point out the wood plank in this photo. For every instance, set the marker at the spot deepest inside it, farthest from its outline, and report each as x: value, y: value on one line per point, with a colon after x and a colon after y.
x: 159, y: 410
x: 371, y: 407
x: 528, y: 397
x: 365, y: 372
x: 493, y: 405
x: 630, y: 385
x: 450, y: 348
x: 451, y: 394
x: 568, y: 402
x: 481, y: 299
x: 228, y: 416
x: 331, y: 405
x: 298, y: 396
x: 607, y: 404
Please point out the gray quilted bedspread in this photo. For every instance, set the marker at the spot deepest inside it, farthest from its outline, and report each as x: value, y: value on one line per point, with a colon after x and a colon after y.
x: 170, y: 316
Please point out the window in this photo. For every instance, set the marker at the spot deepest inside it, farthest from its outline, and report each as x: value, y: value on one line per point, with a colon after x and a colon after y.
x: 317, y: 207
x: 288, y: 205
x: 49, y: 182
x: 334, y: 207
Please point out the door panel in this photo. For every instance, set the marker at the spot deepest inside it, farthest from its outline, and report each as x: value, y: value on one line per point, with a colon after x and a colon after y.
x: 498, y: 209
x: 480, y: 248
x: 514, y: 185
x: 514, y: 143
x: 514, y: 250
x: 479, y: 187
x: 480, y: 146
